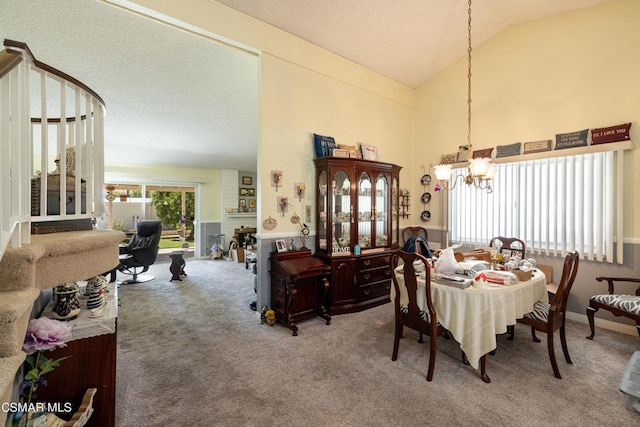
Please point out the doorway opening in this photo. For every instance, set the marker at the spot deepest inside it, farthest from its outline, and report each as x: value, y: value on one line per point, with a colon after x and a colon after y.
x: 174, y: 206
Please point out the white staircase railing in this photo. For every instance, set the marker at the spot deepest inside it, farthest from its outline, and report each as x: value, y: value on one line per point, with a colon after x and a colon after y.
x: 51, y: 126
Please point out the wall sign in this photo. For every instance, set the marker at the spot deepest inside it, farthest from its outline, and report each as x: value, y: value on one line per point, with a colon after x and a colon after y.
x: 571, y: 139
x: 537, y: 146
x: 611, y: 134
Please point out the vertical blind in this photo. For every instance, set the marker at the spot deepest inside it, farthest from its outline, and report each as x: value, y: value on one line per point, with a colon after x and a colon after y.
x: 556, y: 205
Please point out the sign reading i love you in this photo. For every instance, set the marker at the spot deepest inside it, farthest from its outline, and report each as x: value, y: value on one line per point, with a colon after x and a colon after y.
x: 611, y: 134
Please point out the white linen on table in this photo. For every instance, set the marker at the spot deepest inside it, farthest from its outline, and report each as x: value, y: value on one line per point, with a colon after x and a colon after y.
x: 474, y: 316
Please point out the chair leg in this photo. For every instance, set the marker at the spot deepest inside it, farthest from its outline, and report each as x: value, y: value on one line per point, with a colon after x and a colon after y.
x: 396, y: 341
x: 638, y: 327
x: 552, y: 355
x: 511, y: 330
x: 533, y: 334
x: 565, y: 349
x: 420, y: 340
x: 591, y: 311
x: 432, y: 357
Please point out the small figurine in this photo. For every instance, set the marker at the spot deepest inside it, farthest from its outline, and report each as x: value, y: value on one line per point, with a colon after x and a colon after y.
x: 292, y: 246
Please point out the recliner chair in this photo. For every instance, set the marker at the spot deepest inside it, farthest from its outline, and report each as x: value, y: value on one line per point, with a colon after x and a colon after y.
x: 142, y: 251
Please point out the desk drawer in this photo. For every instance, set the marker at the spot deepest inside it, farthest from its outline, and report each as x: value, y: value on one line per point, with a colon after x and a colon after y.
x: 374, y: 275
x: 374, y: 261
x: 374, y: 290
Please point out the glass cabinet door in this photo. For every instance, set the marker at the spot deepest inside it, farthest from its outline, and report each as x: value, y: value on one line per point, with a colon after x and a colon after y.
x: 364, y: 211
x: 381, y: 208
x: 322, y: 210
x: 342, y: 213
x: 395, y: 231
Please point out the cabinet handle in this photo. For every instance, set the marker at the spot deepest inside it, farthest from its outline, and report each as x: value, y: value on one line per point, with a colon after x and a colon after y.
x: 367, y: 291
x: 388, y: 286
x: 367, y: 262
x: 387, y: 259
x: 387, y: 272
x: 367, y: 276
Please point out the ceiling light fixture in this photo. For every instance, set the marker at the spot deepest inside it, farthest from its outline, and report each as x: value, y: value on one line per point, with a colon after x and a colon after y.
x: 480, y: 171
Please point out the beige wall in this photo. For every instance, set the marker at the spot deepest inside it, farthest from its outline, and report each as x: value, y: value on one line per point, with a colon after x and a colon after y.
x: 558, y: 74
x: 554, y: 75
x: 306, y: 90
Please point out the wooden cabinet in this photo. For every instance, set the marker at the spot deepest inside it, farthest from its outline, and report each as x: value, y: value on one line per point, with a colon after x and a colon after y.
x: 299, y: 287
x: 358, y: 229
x: 91, y: 364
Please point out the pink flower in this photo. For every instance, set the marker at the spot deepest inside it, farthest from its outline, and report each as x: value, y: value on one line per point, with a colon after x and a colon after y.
x: 437, y: 187
x: 45, y: 334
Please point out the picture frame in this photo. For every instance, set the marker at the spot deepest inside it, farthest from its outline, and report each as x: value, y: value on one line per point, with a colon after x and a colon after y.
x: 252, y: 203
x: 247, y: 192
x: 247, y: 180
x: 369, y: 152
x: 281, y: 246
x: 243, y: 203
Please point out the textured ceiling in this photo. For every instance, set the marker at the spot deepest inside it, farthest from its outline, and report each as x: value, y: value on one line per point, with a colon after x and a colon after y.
x: 178, y: 99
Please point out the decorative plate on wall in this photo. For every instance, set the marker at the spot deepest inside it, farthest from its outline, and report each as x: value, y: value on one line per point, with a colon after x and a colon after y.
x: 426, y: 179
x: 269, y: 223
x: 426, y: 197
x: 425, y: 215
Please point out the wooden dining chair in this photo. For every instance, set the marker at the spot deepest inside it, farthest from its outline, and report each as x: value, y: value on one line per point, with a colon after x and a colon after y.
x: 509, y: 246
x: 409, y: 232
x: 411, y: 315
x: 550, y: 317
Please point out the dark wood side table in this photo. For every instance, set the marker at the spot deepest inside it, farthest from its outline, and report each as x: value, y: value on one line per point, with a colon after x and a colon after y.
x: 177, y: 265
x: 91, y: 363
x: 299, y: 287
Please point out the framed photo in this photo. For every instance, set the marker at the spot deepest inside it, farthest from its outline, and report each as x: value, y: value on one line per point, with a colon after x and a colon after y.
x: 369, y: 152
x: 247, y: 180
x: 281, y: 246
x: 247, y: 192
x: 243, y: 203
x: 252, y: 203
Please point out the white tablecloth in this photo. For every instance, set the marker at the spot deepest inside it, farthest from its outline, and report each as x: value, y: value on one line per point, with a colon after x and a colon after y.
x: 475, y: 316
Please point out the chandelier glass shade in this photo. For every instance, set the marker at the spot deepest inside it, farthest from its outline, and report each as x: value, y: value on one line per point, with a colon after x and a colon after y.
x: 480, y: 171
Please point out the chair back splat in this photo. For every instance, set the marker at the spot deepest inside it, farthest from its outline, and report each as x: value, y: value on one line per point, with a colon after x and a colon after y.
x: 407, y: 307
x: 509, y: 246
x: 550, y: 317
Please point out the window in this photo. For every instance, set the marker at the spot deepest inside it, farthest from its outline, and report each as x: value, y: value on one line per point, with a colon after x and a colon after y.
x: 556, y: 205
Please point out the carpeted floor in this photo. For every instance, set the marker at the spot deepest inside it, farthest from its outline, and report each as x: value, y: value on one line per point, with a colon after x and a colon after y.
x: 191, y: 353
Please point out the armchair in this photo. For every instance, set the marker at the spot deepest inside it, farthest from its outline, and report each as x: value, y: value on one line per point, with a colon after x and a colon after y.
x: 140, y: 252
x: 617, y: 303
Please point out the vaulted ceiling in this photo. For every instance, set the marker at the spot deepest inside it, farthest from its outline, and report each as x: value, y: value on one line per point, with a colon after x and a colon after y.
x: 174, y: 98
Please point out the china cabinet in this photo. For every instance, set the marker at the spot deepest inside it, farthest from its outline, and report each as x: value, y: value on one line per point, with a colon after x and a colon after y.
x: 357, y: 212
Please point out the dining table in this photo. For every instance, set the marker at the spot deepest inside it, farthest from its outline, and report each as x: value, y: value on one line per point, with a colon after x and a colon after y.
x: 473, y: 315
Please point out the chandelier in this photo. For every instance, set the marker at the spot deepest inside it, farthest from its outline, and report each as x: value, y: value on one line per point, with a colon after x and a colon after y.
x: 480, y: 171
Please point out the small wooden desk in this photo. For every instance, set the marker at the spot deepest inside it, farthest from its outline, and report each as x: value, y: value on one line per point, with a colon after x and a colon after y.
x: 299, y: 287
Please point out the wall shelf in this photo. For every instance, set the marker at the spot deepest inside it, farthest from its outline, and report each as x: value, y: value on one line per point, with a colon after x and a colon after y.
x: 242, y: 215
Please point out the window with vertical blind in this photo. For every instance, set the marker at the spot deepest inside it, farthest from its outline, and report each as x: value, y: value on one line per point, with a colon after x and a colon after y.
x: 556, y: 205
